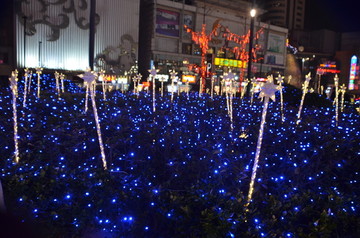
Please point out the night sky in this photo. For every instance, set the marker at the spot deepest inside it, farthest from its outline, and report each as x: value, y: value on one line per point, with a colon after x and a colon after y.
x: 336, y: 15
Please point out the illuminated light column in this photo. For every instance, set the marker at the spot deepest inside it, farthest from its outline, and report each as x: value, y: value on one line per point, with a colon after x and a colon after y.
x: 102, y: 79
x: 139, y: 76
x: 153, y: 73
x: 289, y: 79
x: 212, y: 86
x: 57, y: 77
x: 30, y: 79
x: 336, y: 100
x: 14, y: 88
x: 253, y: 82
x: 62, y: 76
x: 173, y: 74
x: 162, y: 86
x: 187, y: 88
x: 305, y: 89
x: 26, y: 78
x: 342, y: 91
x: 243, y: 90
x: 280, y: 80
x: 229, y: 77
x: 89, y: 77
x: 268, y: 90
x: 38, y: 72
x: 134, y: 80
x: 87, y: 89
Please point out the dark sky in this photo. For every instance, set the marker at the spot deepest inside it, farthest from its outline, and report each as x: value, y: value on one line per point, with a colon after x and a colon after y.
x: 336, y: 15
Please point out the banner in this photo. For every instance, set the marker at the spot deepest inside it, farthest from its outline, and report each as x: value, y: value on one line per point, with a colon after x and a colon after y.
x: 167, y: 22
x: 276, y: 43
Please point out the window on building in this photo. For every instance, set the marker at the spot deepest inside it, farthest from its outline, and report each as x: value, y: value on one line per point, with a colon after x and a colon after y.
x: 187, y: 48
x: 211, y: 50
x: 220, y: 53
x: 196, y: 50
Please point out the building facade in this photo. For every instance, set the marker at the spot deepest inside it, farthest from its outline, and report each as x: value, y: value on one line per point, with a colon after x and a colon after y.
x: 285, y: 13
x: 172, y: 47
x: 55, y: 35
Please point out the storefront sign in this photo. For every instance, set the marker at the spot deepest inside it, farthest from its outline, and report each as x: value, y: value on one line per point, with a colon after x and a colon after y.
x: 353, y: 64
x: 188, y: 78
x: 230, y: 62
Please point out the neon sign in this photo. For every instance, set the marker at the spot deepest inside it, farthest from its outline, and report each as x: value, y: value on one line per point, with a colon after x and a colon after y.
x: 353, y: 64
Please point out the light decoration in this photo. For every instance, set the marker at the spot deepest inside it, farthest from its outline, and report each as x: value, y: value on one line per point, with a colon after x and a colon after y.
x: 212, y: 86
x: 243, y: 91
x: 62, y: 77
x: 30, y: 79
x: 268, y: 90
x: 173, y: 74
x: 305, y: 90
x: 26, y: 78
x: 101, y: 78
x: 57, y: 83
x: 289, y: 79
x: 135, y: 86
x: 153, y: 71
x: 38, y: 72
x: 253, y: 84
x: 162, y: 86
x: 138, y: 77
x: 14, y: 90
x: 336, y: 99
x: 353, y: 64
x: 319, y: 72
x: 202, y: 39
x: 342, y: 91
x: 290, y: 173
x: 89, y: 78
x: 229, y: 78
x: 280, y: 80
x: 241, y: 52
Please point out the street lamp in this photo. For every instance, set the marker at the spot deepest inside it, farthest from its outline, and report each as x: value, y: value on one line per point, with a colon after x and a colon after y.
x: 251, y: 36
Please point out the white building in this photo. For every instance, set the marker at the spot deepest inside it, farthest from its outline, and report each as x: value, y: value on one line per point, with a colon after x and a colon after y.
x: 57, y: 34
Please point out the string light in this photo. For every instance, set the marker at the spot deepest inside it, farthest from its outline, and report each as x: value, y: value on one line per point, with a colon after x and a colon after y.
x: 186, y: 156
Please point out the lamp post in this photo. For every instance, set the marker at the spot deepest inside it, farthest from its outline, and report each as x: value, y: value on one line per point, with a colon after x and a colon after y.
x: 251, y: 36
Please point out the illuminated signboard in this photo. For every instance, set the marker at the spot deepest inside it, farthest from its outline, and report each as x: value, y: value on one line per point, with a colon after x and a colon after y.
x: 230, y: 62
x: 162, y: 77
x: 353, y: 64
x: 327, y: 68
x: 188, y: 78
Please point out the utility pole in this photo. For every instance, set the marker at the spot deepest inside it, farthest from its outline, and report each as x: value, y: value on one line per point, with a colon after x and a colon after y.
x: 251, y: 40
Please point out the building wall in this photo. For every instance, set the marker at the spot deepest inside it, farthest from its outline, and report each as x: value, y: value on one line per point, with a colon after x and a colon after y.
x: 6, y: 39
x: 57, y: 34
x: 171, y: 50
x: 285, y: 13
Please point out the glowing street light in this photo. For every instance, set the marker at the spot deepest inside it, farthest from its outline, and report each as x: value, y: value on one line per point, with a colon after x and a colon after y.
x: 251, y: 39
x: 253, y: 13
